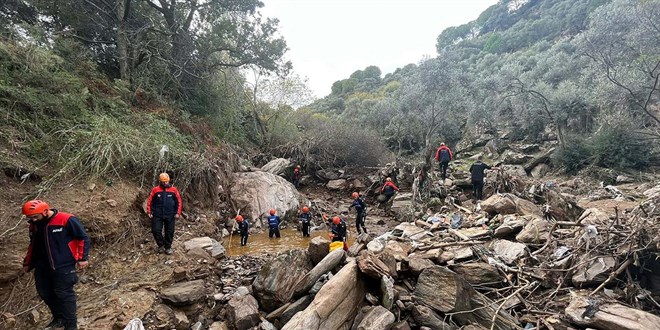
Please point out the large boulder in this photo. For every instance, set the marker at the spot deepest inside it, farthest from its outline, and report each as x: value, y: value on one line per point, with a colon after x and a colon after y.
x: 277, y: 279
x: 509, y: 204
x: 444, y: 291
x: 184, y: 293
x: 254, y: 193
x: 298, y: 306
x: 277, y: 166
x: 335, y: 305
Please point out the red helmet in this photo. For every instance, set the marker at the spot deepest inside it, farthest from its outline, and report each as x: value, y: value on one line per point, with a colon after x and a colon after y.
x: 239, y: 218
x: 305, y: 209
x: 35, y: 207
x: 336, y: 220
x: 272, y: 211
x: 355, y: 195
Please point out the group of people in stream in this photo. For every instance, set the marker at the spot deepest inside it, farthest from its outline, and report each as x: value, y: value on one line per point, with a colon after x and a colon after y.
x: 59, y: 245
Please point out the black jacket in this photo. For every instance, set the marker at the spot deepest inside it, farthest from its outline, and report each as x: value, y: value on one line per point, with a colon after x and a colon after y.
x: 477, y: 169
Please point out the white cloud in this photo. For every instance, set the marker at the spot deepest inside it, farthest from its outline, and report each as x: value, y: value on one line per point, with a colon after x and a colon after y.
x: 330, y: 39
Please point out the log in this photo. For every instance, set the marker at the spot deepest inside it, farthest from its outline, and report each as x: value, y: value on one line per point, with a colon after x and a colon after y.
x: 592, y: 312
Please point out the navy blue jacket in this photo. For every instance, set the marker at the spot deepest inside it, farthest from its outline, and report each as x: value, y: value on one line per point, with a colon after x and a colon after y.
x: 164, y: 202
x: 64, y: 239
x: 306, y: 217
x: 359, y: 205
x: 339, y: 231
x: 243, y: 227
x: 273, y: 222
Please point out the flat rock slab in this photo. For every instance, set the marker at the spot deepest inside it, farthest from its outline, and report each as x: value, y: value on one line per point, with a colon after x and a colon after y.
x: 509, y: 251
x: 184, y: 293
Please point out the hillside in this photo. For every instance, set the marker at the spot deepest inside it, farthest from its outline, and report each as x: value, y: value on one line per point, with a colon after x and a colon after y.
x: 585, y: 72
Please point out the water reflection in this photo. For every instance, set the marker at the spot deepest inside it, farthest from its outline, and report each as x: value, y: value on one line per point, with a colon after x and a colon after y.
x: 259, y: 243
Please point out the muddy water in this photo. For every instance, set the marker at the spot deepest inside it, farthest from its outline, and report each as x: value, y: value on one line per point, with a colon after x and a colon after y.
x: 259, y: 243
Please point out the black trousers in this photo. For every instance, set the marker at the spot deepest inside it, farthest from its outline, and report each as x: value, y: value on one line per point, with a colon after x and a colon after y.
x: 55, y: 287
x: 244, y: 239
x: 443, y: 168
x: 274, y: 232
x: 157, y: 224
x: 359, y: 221
x: 305, y: 229
x: 478, y: 189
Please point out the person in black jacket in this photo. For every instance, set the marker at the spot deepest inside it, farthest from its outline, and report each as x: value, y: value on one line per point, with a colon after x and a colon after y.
x: 58, y: 244
x: 361, y: 212
x: 305, y: 220
x: 478, y: 170
x: 338, y: 230
x: 243, y: 229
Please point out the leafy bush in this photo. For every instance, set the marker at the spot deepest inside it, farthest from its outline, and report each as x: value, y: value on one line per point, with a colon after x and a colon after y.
x: 615, y: 147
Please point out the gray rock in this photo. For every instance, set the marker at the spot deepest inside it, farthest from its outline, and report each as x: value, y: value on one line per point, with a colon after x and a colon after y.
x: 387, y: 292
x: 512, y: 224
x: 479, y: 273
x: 277, y: 279
x: 402, y: 325
x: 243, y: 312
x: 181, y: 321
x: 594, y: 272
x: 425, y: 316
x: 332, y: 260
x: 218, y: 326
x: 213, y: 247
x: 535, y: 231
x: 183, y: 293
x: 255, y: 193
x: 297, y: 306
x: 620, y: 179
x: 339, y: 184
x: 375, y: 318
x: 417, y: 265
x: 335, y: 305
x: 509, y: 251
x: 319, y: 247
x: 277, y: 166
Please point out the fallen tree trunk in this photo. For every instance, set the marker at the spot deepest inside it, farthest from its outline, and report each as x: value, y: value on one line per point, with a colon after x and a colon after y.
x: 594, y: 313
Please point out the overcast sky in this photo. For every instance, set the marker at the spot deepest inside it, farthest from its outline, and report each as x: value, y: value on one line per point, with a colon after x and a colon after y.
x: 330, y: 39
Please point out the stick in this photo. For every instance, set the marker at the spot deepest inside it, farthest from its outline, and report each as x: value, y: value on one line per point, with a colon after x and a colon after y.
x: 462, y: 208
x: 497, y: 311
x: 612, y: 276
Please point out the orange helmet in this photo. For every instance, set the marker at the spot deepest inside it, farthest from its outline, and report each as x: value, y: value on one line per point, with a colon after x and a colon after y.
x: 35, y: 207
x: 164, y: 177
x: 272, y: 211
x: 336, y: 220
x: 355, y: 195
x: 239, y: 218
x: 305, y: 209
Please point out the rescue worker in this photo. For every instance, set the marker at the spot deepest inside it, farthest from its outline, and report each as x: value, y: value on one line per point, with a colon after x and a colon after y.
x: 273, y: 224
x: 305, y: 220
x: 388, y: 189
x: 361, y: 212
x: 164, y: 207
x: 297, y: 175
x: 243, y: 229
x: 338, y: 230
x: 443, y: 155
x: 58, y: 243
x: 477, y: 170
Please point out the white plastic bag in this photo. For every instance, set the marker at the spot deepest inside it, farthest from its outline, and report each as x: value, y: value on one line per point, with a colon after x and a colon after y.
x: 135, y: 324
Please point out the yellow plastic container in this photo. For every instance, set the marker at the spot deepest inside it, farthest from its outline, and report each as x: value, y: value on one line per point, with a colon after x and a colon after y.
x: 336, y: 245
